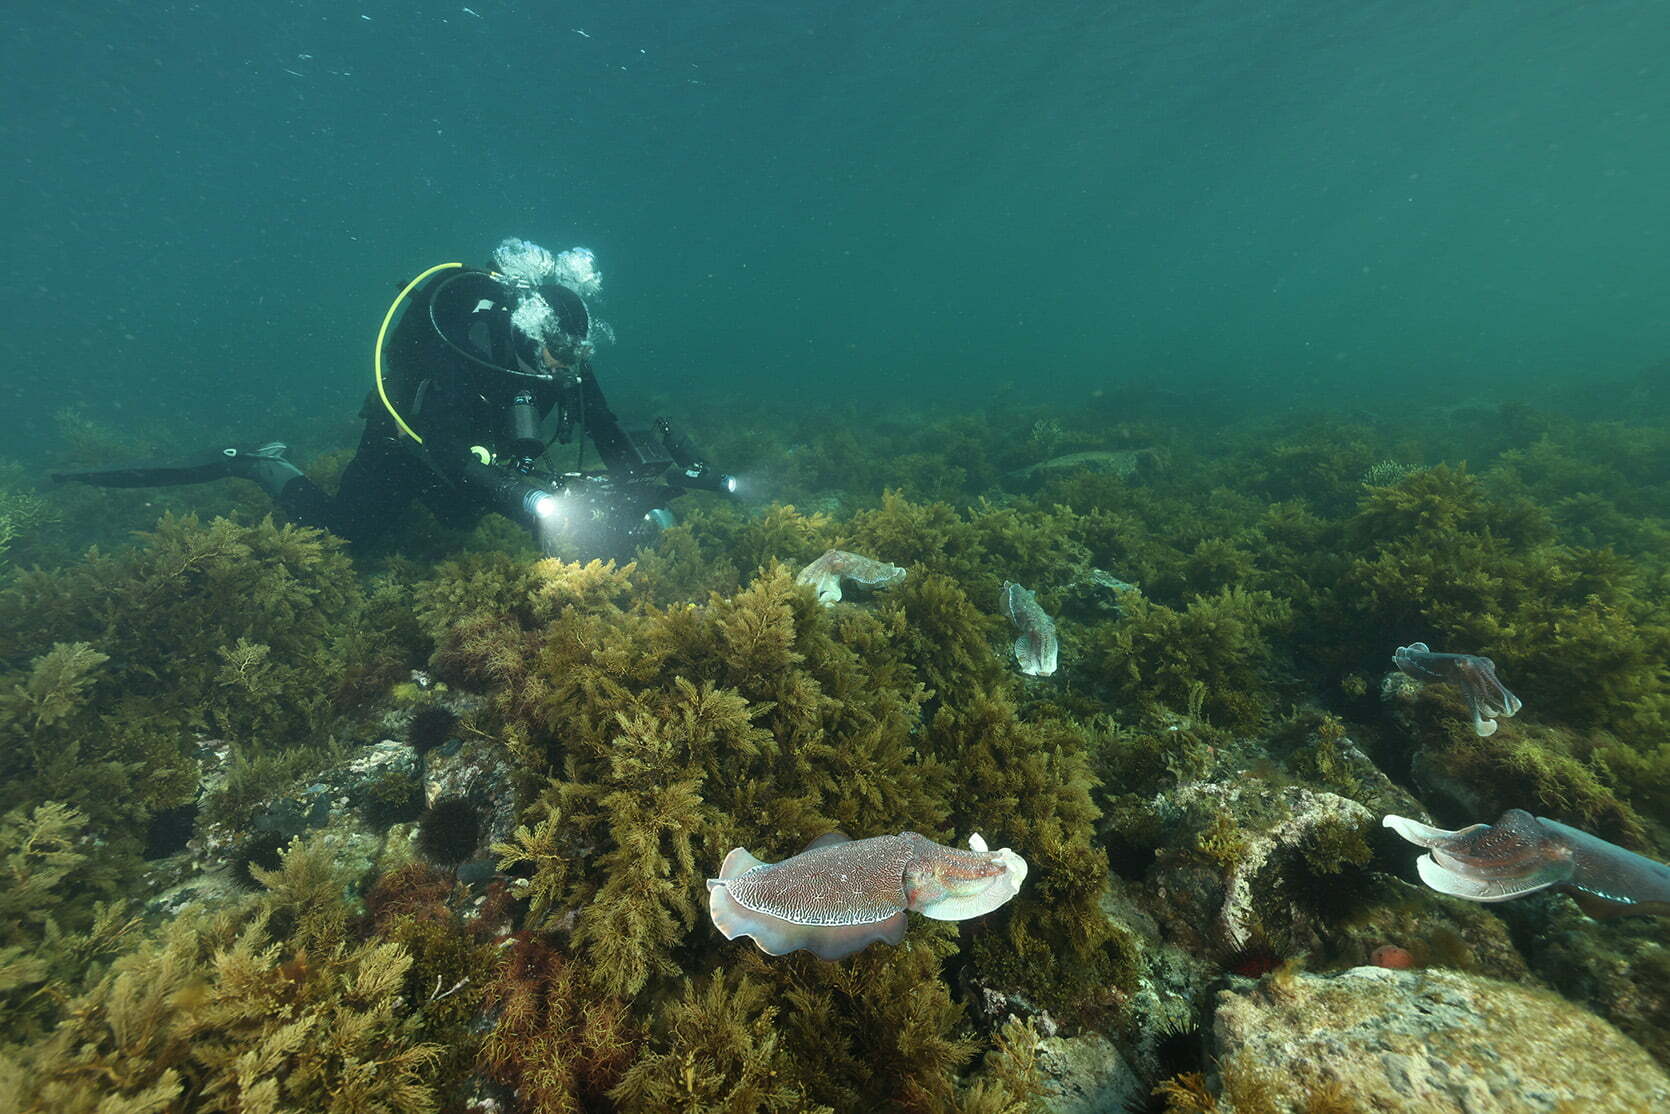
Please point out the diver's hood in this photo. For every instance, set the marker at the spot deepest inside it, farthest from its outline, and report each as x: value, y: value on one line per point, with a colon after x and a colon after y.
x: 491, y: 321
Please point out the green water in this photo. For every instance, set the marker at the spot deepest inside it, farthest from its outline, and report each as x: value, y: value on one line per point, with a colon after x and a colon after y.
x: 1200, y: 324
x: 1310, y: 202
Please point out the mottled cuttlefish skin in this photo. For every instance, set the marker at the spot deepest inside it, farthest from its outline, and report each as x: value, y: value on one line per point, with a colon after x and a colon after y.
x: 1036, y: 648
x: 827, y: 572
x: 1521, y: 854
x: 1475, y: 676
x: 841, y: 895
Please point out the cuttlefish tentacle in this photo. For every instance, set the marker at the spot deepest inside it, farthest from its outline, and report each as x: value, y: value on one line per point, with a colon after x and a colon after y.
x: 1487, y: 697
x: 1521, y: 854
x: 840, y: 895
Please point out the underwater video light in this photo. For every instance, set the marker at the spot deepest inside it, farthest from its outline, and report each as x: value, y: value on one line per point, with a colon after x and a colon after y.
x: 543, y: 505
x: 702, y: 478
x: 694, y: 473
x: 523, y: 444
x: 512, y: 494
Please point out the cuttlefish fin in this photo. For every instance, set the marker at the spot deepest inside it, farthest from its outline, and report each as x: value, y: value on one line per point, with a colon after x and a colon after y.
x: 776, y: 936
x: 829, y: 839
x: 1600, y: 908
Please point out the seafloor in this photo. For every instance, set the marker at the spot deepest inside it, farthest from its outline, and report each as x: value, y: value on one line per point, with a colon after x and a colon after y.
x: 426, y: 827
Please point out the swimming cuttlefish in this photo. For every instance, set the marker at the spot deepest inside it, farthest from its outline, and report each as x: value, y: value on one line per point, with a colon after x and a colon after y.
x: 1475, y: 676
x: 1036, y: 647
x: 826, y: 573
x: 840, y: 895
x: 1521, y: 854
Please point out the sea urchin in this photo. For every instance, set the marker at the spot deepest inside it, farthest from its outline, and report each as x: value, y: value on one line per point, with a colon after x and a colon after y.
x: 449, y: 830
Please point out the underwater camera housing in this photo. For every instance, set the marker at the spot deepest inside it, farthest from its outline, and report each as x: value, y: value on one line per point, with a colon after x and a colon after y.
x: 602, y: 514
x: 666, y: 454
x: 606, y: 512
x: 639, y: 454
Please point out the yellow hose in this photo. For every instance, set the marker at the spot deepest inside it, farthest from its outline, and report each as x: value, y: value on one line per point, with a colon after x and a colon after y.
x: 377, y: 356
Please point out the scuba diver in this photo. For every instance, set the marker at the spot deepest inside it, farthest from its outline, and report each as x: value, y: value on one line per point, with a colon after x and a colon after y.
x: 464, y: 383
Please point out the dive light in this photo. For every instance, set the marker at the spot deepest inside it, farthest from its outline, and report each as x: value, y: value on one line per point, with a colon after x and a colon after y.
x: 693, y: 473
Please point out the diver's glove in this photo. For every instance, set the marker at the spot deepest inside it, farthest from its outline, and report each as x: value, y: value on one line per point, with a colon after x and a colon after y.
x: 265, y: 465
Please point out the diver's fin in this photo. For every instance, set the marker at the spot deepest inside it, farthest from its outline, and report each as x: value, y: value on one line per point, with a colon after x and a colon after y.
x: 151, y: 475
x: 212, y: 464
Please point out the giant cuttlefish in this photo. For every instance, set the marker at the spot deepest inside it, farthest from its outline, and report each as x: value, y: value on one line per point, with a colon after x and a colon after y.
x: 1521, y: 854
x: 1036, y: 647
x: 1475, y: 676
x: 840, y: 895
x: 826, y: 573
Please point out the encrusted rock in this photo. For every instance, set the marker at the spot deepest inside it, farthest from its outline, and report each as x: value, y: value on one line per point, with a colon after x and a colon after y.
x: 378, y: 760
x: 1430, y: 1041
x: 1617, y: 967
x: 1087, y: 1075
x: 477, y: 772
x: 1258, y: 827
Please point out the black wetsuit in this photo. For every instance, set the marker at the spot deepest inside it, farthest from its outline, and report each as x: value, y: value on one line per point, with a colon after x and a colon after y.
x: 447, y: 371
x: 453, y: 403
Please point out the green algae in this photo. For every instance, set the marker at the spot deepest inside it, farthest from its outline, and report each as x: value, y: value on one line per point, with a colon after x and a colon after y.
x: 1222, y: 643
x: 267, y: 1005
x: 239, y: 631
x: 659, y: 713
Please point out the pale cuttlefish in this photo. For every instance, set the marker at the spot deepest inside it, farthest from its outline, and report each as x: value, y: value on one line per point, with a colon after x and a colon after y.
x: 1475, y: 676
x: 840, y: 895
x: 826, y: 573
x: 1521, y: 854
x: 1036, y: 646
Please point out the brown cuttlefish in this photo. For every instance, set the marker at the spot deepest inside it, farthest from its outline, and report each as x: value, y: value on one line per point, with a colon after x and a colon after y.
x: 840, y: 895
x: 1036, y: 647
x: 1521, y: 854
x: 1487, y: 697
x: 826, y: 573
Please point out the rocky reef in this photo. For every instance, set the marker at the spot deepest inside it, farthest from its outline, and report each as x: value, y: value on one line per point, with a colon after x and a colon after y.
x: 1377, y: 1039
x: 289, y: 828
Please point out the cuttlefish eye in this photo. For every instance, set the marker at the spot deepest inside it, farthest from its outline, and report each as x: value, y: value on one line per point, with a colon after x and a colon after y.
x: 1515, y: 847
